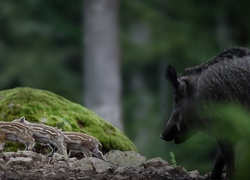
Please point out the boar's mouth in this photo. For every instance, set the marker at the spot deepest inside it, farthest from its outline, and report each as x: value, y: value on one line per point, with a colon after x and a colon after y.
x: 175, y: 135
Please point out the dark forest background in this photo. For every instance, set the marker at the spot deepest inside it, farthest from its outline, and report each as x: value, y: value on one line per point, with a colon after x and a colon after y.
x: 43, y: 45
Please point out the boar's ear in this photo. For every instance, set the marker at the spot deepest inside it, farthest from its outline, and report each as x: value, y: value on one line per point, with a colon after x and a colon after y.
x: 171, y: 75
x: 22, y: 119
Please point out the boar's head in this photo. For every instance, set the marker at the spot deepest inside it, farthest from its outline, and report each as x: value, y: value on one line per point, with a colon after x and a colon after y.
x: 183, y: 121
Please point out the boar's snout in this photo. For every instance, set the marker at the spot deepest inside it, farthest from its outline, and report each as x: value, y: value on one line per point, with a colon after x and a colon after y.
x: 175, y: 130
x: 173, y: 134
x: 168, y: 134
x: 171, y: 129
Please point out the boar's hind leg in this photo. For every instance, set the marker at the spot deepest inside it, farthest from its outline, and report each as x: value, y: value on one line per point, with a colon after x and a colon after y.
x: 53, y: 150
x: 227, y: 149
x: 218, y: 166
x: 29, y: 142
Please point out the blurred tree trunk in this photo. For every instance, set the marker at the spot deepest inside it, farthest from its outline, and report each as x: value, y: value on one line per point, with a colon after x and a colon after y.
x: 102, y: 79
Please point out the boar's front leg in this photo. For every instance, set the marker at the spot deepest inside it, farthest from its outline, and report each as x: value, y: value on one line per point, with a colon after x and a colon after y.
x: 218, y: 166
x: 227, y: 150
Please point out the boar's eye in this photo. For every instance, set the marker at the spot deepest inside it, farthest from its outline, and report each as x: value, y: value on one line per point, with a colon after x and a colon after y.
x: 176, y: 98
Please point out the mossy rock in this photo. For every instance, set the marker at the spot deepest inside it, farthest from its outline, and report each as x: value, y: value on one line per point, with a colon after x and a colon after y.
x: 51, y: 109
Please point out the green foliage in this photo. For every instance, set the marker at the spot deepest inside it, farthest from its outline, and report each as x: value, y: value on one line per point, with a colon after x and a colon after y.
x: 231, y: 118
x: 172, y: 159
x: 13, y: 146
x: 231, y: 123
x: 41, y: 46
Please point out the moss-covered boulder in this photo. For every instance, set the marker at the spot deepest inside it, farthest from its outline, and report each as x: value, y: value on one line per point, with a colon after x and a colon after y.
x: 51, y: 109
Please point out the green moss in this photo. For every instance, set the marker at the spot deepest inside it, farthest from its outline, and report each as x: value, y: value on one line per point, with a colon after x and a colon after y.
x: 48, y: 108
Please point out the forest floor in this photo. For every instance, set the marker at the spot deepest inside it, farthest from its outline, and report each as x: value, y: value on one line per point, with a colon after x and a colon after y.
x: 119, y: 165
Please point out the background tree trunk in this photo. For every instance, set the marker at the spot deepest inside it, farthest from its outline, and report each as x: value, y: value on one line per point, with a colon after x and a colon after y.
x: 102, y: 81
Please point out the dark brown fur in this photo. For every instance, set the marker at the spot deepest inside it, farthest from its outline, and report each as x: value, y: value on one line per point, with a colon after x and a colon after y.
x: 223, y: 79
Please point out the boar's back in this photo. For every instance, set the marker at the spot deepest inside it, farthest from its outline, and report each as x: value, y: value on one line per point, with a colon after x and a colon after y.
x: 225, y: 78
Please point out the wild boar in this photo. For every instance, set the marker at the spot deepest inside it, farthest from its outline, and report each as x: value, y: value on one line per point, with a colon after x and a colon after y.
x: 82, y: 142
x: 223, y: 79
x: 17, y: 132
x: 46, y: 135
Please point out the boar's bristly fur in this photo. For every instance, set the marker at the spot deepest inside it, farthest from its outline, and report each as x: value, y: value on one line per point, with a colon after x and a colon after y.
x: 223, y: 79
x: 230, y: 54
